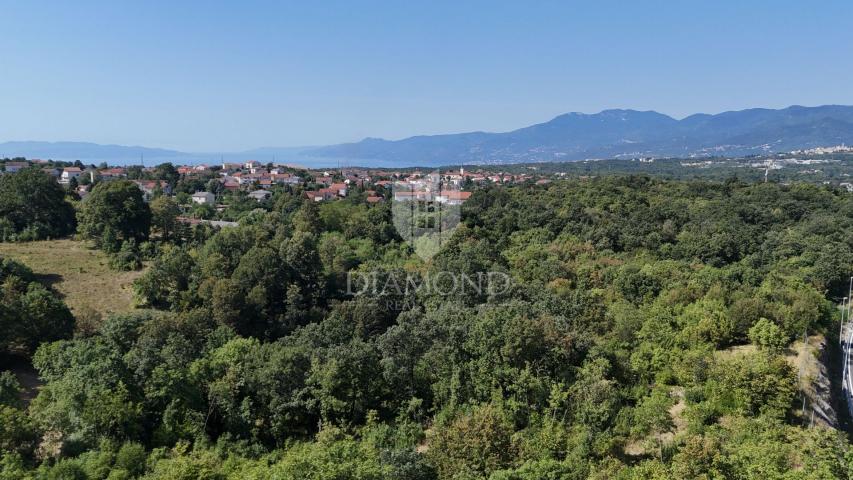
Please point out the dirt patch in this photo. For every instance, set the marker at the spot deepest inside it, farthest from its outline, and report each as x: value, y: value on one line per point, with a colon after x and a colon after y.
x: 808, y: 359
x: 637, y: 448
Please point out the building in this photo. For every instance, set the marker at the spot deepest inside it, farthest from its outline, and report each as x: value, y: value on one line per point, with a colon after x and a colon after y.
x: 287, y: 179
x: 452, y: 197
x: 112, y: 173
x: 212, y: 223
x: 52, y: 171
x: 403, y: 196
x: 315, y: 196
x: 14, y: 167
x: 253, y: 166
x: 260, y: 195
x: 149, y: 187
x: 204, y: 198
x: 340, y: 189
x: 69, y: 173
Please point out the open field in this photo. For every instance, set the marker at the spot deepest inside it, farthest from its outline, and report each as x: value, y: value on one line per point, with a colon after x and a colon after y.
x: 80, y: 274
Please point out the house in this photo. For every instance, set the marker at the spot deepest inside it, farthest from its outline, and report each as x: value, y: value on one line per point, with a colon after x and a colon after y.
x: 253, y: 166
x: 340, y: 189
x: 13, y: 167
x: 112, y: 173
x: 315, y: 196
x: 353, y: 180
x: 213, y: 223
x: 328, y: 193
x: 375, y: 199
x: 452, y: 197
x: 149, y: 186
x: 287, y: 179
x: 203, y: 198
x: 69, y: 173
x: 402, y: 196
x: 260, y: 195
x: 52, y: 171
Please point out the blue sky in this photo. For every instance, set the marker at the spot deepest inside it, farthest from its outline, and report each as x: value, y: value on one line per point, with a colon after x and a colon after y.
x: 225, y: 76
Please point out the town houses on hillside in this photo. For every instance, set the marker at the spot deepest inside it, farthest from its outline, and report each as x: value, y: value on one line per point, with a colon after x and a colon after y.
x: 258, y: 181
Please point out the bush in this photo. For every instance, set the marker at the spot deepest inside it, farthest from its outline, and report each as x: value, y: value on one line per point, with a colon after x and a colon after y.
x: 131, y: 457
x: 768, y: 336
x: 10, y: 390
x: 127, y: 258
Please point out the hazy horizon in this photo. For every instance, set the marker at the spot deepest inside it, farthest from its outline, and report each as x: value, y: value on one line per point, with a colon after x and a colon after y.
x: 202, y: 77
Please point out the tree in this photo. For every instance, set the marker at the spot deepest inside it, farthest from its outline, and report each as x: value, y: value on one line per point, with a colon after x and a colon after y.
x: 114, y: 209
x: 473, y: 445
x: 348, y: 382
x: 168, y: 172
x: 163, y: 285
x: 33, y: 207
x: 29, y: 313
x: 127, y: 257
x: 164, y: 214
x: 768, y: 335
x: 88, y: 396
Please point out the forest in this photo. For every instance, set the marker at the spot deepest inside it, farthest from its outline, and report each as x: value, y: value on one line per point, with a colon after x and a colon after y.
x: 646, y: 335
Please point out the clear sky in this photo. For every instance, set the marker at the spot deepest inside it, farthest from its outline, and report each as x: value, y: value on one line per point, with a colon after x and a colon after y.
x: 224, y: 76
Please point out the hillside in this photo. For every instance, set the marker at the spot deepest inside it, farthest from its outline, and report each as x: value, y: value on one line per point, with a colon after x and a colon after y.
x: 619, y: 133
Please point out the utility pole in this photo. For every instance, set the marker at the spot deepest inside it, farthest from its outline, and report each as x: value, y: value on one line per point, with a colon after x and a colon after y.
x: 841, y: 327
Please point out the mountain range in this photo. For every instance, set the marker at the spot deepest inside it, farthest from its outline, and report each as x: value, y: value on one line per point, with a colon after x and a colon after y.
x: 621, y: 133
x: 572, y: 136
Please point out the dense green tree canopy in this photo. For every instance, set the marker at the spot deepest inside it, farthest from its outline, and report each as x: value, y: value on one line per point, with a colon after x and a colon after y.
x: 33, y: 207
x: 644, y: 335
x: 114, y: 212
x: 29, y: 313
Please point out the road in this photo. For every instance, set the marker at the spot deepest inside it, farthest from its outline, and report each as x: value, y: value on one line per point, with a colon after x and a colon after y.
x: 846, y: 357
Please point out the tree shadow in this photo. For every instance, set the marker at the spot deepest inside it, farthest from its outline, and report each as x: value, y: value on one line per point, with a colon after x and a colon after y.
x: 27, y: 376
x: 49, y: 280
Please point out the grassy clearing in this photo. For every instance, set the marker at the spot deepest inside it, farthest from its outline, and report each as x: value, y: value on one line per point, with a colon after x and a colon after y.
x: 80, y: 274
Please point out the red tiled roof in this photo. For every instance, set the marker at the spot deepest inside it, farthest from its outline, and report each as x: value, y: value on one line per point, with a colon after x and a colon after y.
x: 454, y: 195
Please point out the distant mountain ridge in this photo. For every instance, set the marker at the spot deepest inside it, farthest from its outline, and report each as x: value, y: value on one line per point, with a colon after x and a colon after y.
x: 82, y: 151
x: 620, y: 133
x: 571, y: 136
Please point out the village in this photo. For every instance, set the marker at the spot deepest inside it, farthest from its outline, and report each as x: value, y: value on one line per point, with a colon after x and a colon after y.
x: 205, y: 189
